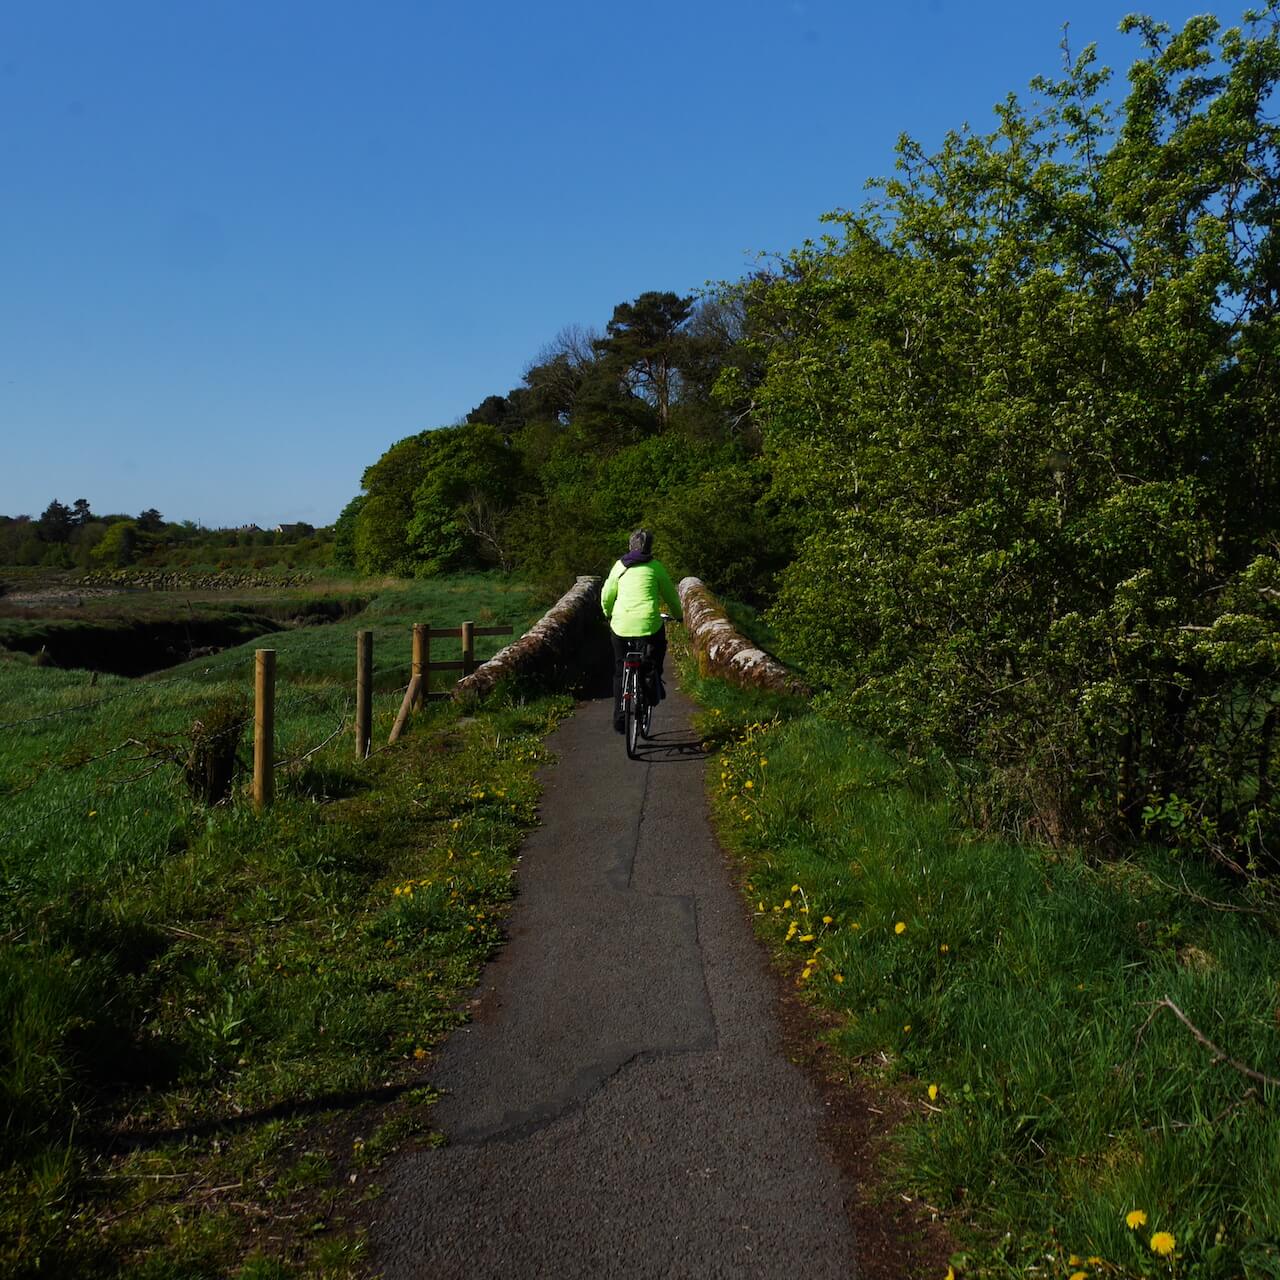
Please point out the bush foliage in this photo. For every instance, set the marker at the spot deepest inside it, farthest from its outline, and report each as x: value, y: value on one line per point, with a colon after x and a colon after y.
x: 1027, y: 398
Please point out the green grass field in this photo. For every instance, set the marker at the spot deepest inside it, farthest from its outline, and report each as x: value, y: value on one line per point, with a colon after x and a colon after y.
x: 1013, y: 994
x: 197, y: 1003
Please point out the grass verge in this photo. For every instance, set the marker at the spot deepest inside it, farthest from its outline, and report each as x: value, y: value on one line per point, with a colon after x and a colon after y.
x: 1063, y: 1119
x: 213, y: 1021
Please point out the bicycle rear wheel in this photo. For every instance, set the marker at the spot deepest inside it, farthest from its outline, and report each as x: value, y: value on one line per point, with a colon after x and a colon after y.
x: 646, y: 718
x: 634, y: 712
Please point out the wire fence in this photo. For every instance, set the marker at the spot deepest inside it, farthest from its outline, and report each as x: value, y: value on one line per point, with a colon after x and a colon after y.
x: 218, y: 670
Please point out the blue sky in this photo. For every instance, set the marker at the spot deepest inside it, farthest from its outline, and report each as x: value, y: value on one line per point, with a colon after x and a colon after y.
x: 245, y: 245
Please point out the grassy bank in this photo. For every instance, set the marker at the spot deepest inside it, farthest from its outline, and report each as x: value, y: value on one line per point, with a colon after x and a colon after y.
x: 212, y: 1019
x: 1064, y: 1119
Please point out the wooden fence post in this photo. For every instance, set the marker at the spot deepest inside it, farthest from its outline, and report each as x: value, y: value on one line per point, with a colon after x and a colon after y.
x: 468, y: 648
x: 421, y: 661
x: 264, y: 727
x: 364, y: 692
x: 410, y: 695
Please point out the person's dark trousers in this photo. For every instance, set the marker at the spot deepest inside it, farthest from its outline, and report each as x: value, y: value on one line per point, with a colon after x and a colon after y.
x: 622, y: 645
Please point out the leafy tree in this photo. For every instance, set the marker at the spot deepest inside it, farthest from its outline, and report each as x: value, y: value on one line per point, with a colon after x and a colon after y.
x: 83, y: 541
x: 80, y: 512
x: 494, y: 411
x: 645, y: 347
x: 713, y: 406
x: 344, y: 534
x: 381, y: 544
x: 14, y: 531
x: 459, y: 507
x: 55, y: 522
x: 1028, y: 401
x: 607, y: 415
x: 120, y: 545
x: 30, y: 550
x: 725, y: 527
x: 550, y: 390
x: 150, y: 521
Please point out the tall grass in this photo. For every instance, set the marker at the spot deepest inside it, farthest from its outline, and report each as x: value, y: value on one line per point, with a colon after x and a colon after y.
x: 1020, y: 989
x: 164, y: 963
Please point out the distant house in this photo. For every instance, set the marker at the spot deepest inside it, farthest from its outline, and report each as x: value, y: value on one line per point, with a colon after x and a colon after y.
x: 300, y: 530
x: 248, y: 528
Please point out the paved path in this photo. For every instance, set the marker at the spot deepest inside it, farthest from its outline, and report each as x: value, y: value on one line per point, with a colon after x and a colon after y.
x: 622, y: 1106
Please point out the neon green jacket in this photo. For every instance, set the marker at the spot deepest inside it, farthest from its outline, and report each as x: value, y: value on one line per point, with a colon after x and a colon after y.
x: 632, y: 598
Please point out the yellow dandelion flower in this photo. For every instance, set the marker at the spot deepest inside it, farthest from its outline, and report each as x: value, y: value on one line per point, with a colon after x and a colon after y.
x: 933, y: 1093
x: 944, y: 948
x: 764, y: 760
x: 786, y: 902
x: 839, y: 977
x: 907, y: 1027
x: 899, y: 927
x: 1162, y: 1243
x: 795, y: 888
x: 807, y: 971
x: 951, y: 1274
x: 748, y: 784
x: 855, y: 925
x: 806, y: 937
x: 760, y: 905
x: 1079, y: 1275
x: 1073, y: 1261
x: 93, y: 813
x: 1135, y: 1218
x: 419, y: 1053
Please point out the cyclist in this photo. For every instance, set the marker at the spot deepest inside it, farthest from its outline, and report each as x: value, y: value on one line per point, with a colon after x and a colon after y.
x: 632, y: 599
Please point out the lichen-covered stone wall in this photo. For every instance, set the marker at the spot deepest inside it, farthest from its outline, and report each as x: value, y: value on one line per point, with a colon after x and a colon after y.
x: 724, y: 651
x: 558, y: 643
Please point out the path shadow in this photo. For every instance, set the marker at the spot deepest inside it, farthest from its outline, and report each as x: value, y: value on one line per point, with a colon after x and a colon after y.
x: 675, y: 746
x: 116, y: 1143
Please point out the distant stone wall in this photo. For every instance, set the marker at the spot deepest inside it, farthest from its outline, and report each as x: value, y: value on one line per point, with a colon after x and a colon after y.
x: 724, y: 651
x: 557, y: 644
x: 187, y: 580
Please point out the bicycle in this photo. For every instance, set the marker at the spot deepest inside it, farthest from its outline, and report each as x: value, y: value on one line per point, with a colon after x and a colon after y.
x: 640, y: 694
x: 638, y: 677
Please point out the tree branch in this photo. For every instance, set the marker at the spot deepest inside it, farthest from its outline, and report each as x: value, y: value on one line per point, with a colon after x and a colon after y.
x: 1218, y: 1055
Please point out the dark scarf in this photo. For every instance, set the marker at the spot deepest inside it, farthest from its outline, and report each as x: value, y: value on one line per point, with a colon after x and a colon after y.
x: 633, y: 558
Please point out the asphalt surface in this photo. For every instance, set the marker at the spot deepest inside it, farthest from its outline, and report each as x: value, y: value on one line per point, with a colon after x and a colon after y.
x: 623, y: 1104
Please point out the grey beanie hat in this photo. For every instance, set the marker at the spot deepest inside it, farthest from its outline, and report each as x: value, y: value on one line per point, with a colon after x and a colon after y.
x: 641, y: 541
